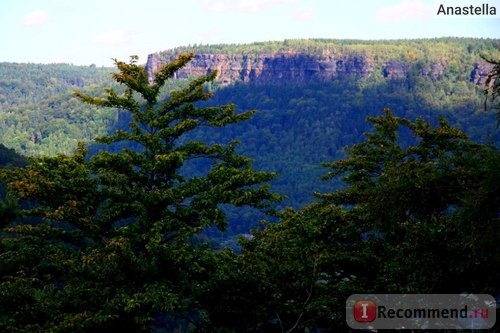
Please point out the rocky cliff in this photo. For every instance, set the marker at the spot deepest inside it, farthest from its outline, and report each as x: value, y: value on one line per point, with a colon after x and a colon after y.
x: 295, y: 66
x: 270, y: 67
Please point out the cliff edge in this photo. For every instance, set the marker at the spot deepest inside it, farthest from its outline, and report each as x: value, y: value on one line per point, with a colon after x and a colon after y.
x: 324, y: 62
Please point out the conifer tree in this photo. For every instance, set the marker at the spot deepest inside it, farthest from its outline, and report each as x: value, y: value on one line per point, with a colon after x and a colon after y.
x: 412, y: 218
x: 109, y: 243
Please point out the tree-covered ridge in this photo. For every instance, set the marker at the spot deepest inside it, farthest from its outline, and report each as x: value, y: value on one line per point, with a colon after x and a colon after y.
x: 112, y: 242
x: 441, y: 69
x: 428, y: 65
x: 381, y: 50
x: 33, y: 83
x: 299, y: 126
x: 39, y: 115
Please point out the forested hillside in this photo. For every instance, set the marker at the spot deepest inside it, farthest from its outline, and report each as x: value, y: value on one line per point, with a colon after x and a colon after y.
x: 38, y: 113
x: 324, y: 60
x: 304, y: 117
x: 311, y: 97
x: 116, y: 240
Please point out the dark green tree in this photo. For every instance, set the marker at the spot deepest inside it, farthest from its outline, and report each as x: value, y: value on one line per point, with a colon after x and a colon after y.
x: 111, y: 242
x: 428, y: 211
x: 420, y: 217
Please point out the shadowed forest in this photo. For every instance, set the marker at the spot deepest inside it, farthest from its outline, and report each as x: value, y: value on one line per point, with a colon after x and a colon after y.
x: 140, y: 204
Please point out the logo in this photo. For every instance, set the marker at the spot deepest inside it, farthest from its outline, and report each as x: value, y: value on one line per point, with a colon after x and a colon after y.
x: 365, y: 311
x: 421, y: 311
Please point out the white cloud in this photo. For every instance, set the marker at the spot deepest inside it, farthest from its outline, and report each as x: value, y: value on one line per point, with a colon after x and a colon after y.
x: 404, y: 10
x: 113, y: 37
x: 36, y: 18
x: 304, y: 15
x: 244, y: 6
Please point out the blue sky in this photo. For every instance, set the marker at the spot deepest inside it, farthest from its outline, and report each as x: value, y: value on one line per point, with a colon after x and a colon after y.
x: 84, y: 32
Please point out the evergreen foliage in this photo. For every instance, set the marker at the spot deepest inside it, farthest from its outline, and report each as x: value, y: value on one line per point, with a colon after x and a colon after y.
x: 38, y: 113
x: 419, y: 218
x: 108, y: 243
x: 116, y: 240
x: 10, y: 158
x: 299, y: 124
x: 40, y: 116
x: 383, y: 50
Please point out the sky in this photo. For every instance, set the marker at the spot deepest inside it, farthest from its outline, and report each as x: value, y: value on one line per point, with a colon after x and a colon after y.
x: 85, y: 32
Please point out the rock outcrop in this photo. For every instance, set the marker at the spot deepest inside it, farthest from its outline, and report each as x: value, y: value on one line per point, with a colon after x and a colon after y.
x: 480, y: 72
x: 269, y: 67
x: 302, y: 67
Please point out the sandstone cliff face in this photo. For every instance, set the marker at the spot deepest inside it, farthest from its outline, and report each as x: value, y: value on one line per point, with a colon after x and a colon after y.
x: 480, y: 72
x: 269, y: 67
x: 300, y: 67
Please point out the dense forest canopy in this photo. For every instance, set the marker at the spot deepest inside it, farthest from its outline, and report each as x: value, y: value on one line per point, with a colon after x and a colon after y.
x: 133, y: 200
x: 298, y: 124
x: 34, y: 83
x: 38, y: 114
x: 116, y: 239
x: 386, y: 49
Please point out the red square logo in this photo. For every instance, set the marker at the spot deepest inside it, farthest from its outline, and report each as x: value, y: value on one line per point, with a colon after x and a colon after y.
x: 365, y: 311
